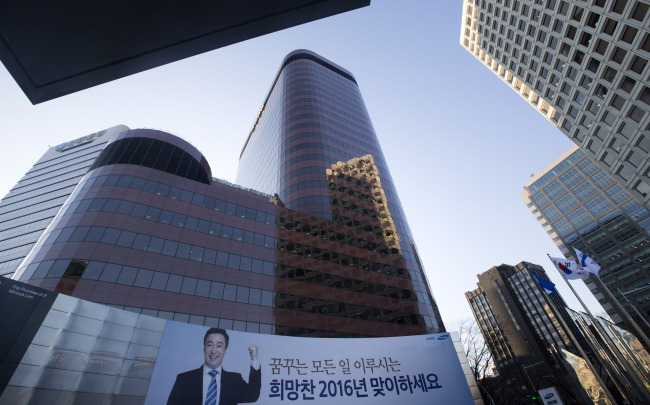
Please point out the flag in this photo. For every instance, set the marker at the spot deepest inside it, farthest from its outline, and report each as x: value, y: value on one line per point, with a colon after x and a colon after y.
x: 587, y: 263
x: 569, y: 268
x: 545, y: 284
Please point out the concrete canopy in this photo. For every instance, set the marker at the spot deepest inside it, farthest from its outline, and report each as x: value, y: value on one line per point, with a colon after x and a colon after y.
x: 54, y: 48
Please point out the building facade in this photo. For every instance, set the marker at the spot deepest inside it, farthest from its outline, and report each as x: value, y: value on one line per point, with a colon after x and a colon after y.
x: 526, y: 332
x: 32, y: 203
x: 580, y: 205
x: 313, y: 145
x: 583, y: 65
x: 150, y: 230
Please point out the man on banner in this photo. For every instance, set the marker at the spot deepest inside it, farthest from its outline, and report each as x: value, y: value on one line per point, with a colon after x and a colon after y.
x: 569, y: 268
x: 210, y: 384
x: 587, y: 263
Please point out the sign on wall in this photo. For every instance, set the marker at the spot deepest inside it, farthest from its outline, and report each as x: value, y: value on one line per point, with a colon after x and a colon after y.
x: 420, y: 369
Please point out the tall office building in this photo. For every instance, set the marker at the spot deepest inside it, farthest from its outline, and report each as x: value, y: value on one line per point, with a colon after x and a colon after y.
x: 583, y: 65
x: 522, y: 331
x: 150, y: 230
x: 580, y: 205
x: 535, y: 341
x: 32, y: 203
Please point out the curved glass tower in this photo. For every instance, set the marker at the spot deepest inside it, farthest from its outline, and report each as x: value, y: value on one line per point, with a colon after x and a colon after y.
x: 313, y: 145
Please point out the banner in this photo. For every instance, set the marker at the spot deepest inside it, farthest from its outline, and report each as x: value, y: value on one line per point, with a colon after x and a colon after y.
x: 420, y: 369
x: 57, y: 348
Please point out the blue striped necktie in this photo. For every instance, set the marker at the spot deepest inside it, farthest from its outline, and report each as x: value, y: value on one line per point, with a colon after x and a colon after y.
x: 211, y: 397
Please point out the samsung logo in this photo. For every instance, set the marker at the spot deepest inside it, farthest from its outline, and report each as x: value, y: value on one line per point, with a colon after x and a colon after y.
x: 443, y: 337
x: 548, y: 396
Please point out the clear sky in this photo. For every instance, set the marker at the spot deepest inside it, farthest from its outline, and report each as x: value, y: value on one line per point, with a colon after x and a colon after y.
x: 459, y: 142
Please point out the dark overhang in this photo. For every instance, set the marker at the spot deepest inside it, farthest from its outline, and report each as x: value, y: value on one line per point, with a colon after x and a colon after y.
x: 54, y: 48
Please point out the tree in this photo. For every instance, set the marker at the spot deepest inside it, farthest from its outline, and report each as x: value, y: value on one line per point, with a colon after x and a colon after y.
x: 493, y: 389
x: 476, y: 349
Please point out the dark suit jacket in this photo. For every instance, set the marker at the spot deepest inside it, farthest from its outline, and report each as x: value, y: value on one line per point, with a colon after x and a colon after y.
x: 188, y: 388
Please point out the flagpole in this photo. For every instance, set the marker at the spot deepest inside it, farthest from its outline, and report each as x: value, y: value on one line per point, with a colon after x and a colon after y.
x: 580, y: 349
x: 596, y: 325
x: 591, y: 266
x: 623, y: 312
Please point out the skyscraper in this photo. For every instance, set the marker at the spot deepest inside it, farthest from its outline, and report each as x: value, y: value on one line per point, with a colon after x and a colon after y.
x: 580, y: 205
x: 526, y: 334
x: 518, y: 325
x: 583, y: 65
x: 32, y: 203
x: 150, y: 230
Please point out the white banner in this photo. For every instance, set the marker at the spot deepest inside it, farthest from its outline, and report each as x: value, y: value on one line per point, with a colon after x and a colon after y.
x: 421, y: 369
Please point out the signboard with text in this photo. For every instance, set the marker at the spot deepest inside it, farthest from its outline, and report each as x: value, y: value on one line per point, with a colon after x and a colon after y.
x: 420, y: 369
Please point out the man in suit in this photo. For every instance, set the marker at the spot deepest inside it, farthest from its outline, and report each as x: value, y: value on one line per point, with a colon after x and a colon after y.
x: 210, y: 384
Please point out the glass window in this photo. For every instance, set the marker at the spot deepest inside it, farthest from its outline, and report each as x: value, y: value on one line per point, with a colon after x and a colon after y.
x: 127, y: 275
x: 152, y: 214
x: 196, y: 253
x: 126, y: 239
x: 189, y: 285
x: 141, y: 242
x: 209, y: 256
x: 166, y: 217
x: 159, y: 281
x: 143, y: 279
x: 179, y: 220
x: 191, y: 223
x: 155, y: 245
x: 125, y: 207
x: 110, y: 273
x: 183, y: 251
x: 110, y: 236
x: 169, y: 248
x: 93, y: 270
x: 216, y: 290
x: 203, y: 288
x: 230, y: 292
x: 174, y: 283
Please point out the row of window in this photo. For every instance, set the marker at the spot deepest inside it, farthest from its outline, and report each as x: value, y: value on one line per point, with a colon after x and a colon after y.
x: 299, y: 98
x: 176, y: 219
x: 68, y: 171
x: 128, y: 239
x: 55, y: 201
x: 212, y: 228
x: 65, y: 159
x: 319, y: 122
x: 145, y: 278
x: 65, y: 190
x: 40, y: 223
x: 56, y: 185
x: 323, y: 109
x: 242, y: 326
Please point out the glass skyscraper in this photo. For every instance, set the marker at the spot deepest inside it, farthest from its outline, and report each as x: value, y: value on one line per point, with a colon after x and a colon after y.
x: 321, y: 250
x: 32, y: 203
x: 580, y: 205
x: 581, y: 64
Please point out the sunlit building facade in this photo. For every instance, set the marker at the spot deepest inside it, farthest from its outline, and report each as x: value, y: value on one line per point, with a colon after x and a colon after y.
x: 583, y: 65
x: 580, y: 205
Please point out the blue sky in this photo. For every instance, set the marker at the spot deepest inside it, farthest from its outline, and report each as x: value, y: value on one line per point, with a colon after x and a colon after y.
x: 460, y: 144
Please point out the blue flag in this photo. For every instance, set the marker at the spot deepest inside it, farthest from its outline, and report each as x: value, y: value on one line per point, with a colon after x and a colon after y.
x: 545, y: 284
